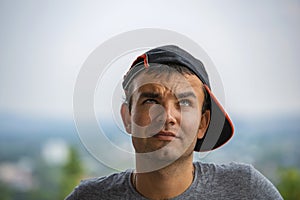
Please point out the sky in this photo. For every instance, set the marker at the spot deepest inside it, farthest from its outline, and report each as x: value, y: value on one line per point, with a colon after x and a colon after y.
x: 254, y: 45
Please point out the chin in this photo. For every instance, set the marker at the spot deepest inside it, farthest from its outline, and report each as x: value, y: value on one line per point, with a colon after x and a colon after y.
x: 155, y: 160
x: 168, y: 154
x: 163, y: 151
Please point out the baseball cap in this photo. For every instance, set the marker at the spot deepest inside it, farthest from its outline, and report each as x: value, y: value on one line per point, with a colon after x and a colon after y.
x: 220, y: 128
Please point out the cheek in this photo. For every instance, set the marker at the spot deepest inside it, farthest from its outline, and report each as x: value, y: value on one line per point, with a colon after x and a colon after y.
x: 190, y: 123
x: 153, y: 115
x: 141, y: 117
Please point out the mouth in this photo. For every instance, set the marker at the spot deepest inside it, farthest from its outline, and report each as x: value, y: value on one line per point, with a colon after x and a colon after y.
x: 166, y: 136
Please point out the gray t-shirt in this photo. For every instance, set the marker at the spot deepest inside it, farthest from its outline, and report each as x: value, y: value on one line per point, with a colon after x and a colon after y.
x: 231, y: 181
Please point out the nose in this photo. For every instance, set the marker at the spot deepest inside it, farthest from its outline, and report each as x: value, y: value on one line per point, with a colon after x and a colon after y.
x: 170, y: 113
x: 164, y: 114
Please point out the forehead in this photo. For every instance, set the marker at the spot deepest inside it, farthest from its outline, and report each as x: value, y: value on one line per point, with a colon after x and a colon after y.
x: 162, y: 81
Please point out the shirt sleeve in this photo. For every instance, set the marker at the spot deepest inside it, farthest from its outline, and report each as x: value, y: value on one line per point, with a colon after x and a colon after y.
x: 261, y: 187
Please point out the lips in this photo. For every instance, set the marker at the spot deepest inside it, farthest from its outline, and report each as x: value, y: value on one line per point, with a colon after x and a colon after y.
x: 163, y: 135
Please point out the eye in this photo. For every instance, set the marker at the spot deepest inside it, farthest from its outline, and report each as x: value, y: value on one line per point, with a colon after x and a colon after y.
x: 150, y: 101
x: 185, y: 102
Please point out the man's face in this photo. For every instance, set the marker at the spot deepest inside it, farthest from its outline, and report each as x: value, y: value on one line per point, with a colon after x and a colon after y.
x: 166, y: 115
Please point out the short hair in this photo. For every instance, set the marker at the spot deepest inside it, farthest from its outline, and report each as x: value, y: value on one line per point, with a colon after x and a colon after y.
x: 169, y: 69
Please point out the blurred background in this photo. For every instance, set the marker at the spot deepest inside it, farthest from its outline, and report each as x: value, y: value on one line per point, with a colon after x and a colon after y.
x: 254, y: 45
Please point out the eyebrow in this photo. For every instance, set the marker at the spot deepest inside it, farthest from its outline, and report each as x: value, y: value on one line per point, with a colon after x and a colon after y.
x: 185, y: 95
x: 154, y: 95
x: 150, y: 95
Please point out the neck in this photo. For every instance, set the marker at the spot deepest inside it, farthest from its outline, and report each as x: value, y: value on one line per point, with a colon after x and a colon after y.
x: 167, y: 182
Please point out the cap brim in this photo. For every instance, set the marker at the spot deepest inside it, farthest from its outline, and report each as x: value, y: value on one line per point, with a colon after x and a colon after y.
x: 220, y: 128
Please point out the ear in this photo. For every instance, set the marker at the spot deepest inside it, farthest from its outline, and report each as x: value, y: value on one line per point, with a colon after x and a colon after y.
x: 125, y: 114
x: 205, y: 119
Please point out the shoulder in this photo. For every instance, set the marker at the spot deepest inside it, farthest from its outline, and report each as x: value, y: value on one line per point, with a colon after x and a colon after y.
x: 262, y: 187
x: 228, y: 175
x: 229, y: 170
x: 240, y: 179
x: 102, y: 187
x: 106, y: 182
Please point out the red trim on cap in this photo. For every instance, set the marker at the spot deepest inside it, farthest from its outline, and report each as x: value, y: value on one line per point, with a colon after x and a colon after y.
x: 214, y: 98
x: 145, y: 57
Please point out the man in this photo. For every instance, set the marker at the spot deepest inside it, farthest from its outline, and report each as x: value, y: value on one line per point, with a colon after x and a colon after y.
x: 171, y: 112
